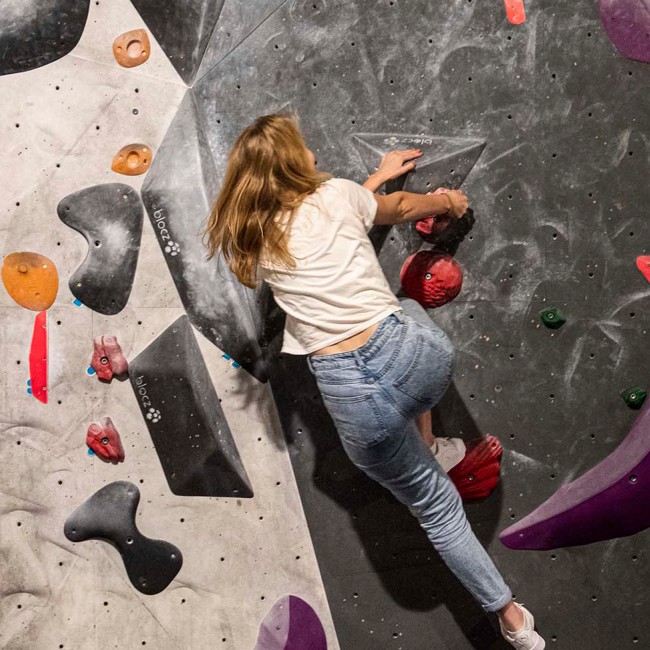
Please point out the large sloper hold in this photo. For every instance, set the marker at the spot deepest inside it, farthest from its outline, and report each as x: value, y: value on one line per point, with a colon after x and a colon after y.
x: 609, y: 501
x: 178, y: 192
x: 184, y: 417
x: 445, y: 161
x: 110, y: 217
x: 34, y: 33
x: 291, y: 624
x: 627, y: 23
x: 109, y: 515
x: 182, y: 29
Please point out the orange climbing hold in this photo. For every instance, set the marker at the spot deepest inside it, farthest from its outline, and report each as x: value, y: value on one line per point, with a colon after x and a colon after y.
x: 30, y: 279
x: 132, y: 160
x: 132, y: 48
x: 515, y: 11
x: 477, y: 474
x: 643, y: 264
x: 105, y: 441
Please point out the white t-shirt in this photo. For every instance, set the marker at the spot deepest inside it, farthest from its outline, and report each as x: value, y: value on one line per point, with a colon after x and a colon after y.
x: 338, y: 287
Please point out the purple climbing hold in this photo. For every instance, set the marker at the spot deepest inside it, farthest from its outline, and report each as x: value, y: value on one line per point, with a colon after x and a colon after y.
x: 291, y: 624
x: 627, y: 23
x: 609, y: 501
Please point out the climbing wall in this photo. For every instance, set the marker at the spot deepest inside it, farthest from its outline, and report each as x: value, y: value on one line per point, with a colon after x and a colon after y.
x: 211, y: 453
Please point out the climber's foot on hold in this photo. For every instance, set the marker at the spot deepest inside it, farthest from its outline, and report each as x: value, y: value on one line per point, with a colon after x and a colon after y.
x: 448, y: 452
x: 524, y: 637
x: 477, y: 475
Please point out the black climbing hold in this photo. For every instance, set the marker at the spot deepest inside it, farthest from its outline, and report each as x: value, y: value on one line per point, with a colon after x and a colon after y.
x: 634, y: 397
x: 552, y: 317
x: 34, y: 33
x: 185, y: 419
x: 112, y: 215
x: 109, y: 515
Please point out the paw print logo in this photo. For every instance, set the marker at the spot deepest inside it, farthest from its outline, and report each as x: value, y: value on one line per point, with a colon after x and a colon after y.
x: 172, y: 248
x: 153, y: 415
x: 392, y: 141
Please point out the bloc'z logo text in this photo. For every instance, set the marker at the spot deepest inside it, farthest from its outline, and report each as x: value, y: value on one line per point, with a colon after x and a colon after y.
x: 152, y: 414
x: 171, y: 247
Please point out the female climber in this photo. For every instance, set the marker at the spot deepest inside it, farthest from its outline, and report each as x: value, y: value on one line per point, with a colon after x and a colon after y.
x: 380, y: 363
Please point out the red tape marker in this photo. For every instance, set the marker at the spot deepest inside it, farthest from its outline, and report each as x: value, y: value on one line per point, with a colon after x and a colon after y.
x: 515, y: 11
x: 38, y: 358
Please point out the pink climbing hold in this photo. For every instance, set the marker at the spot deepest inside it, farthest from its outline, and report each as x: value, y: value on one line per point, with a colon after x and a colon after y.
x: 643, y: 264
x: 105, y: 441
x: 38, y: 358
x: 107, y: 359
x: 515, y: 11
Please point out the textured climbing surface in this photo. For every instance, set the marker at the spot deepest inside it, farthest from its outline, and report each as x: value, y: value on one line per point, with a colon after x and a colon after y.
x: 109, y: 515
x: 110, y: 218
x: 184, y: 417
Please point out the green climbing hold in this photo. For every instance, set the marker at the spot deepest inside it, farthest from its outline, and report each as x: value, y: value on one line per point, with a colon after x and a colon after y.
x: 552, y: 317
x: 634, y: 397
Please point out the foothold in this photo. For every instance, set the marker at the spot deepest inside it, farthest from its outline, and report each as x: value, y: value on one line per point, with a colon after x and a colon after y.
x: 643, y: 264
x: 634, y: 397
x: 552, y: 318
x: 105, y: 441
x: 38, y: 358
x: 609, y: 501
x: 132, y: 48
x: 429, y: 227
x: 431, y: 278
x: 109, y: 515
x: 477, y: 475
x: 627, y: 23
x: 110, y: 217
x: 184, y: 417
x: 30, y: 279
x: 515, y: 11
x: 77, y: 302
x: 132, y: 160
x: 107, y: 359
x: 291, y: 624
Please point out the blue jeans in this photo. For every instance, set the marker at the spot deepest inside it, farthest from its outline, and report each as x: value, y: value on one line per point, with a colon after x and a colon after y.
x: 373, y: 394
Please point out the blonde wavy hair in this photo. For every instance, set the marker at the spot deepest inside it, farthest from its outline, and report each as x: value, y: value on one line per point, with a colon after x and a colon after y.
x: 268, y: 173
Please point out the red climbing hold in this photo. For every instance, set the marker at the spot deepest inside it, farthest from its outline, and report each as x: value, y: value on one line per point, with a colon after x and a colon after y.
x: 431, y: 278
x: 107, y: 359
x: 515, y: 11
x: 643, y: 264
x: 105, y: 441
x: 477, y: 474
x: 38, y: 358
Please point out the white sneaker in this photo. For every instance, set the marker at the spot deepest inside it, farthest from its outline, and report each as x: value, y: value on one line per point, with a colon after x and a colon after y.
x: 526, y: 638
x: 448, y: 452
